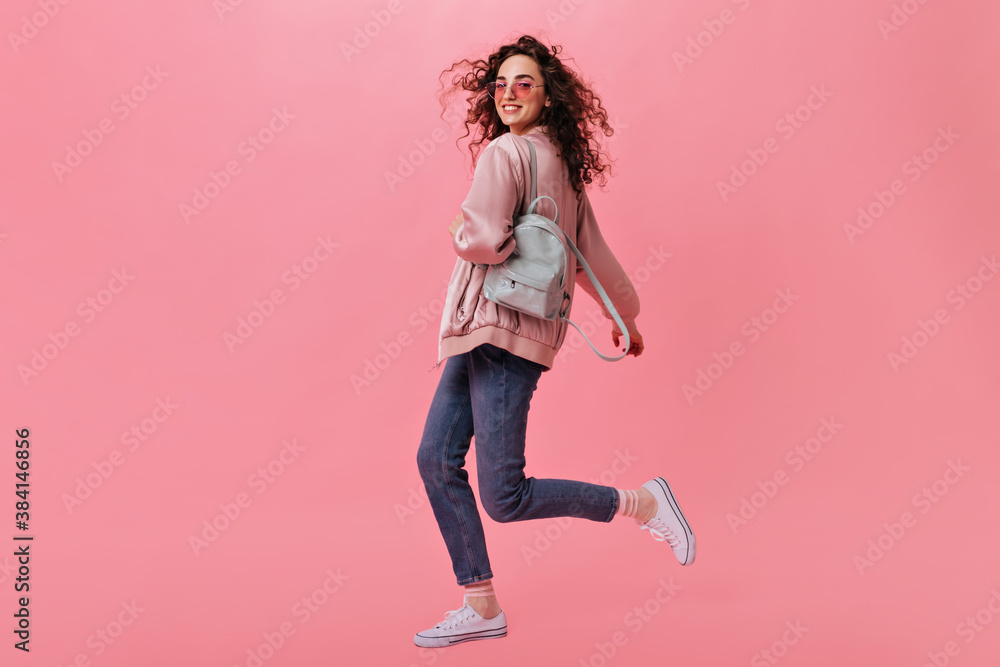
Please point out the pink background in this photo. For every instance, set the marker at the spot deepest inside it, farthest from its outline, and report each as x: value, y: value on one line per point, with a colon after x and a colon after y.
x: 349, y: 500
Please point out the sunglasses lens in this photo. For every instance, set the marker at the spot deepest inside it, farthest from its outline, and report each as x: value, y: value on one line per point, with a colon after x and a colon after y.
x: 497, y: 89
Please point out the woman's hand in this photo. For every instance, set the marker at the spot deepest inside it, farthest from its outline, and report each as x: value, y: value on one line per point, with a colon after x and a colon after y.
x: 636, y: 347
x: 455, y: 224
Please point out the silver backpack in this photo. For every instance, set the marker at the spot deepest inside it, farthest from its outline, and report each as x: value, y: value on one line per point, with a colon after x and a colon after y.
x: 532, y: 280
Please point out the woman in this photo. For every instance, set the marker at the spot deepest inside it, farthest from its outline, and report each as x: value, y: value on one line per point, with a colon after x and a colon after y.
x: 496, y: 355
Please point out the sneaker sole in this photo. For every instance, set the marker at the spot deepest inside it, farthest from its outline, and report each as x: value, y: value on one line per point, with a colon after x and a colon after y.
x: 443, y: 642
x: 677, y: 509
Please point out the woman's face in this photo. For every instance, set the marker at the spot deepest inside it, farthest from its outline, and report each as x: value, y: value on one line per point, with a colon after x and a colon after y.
x: 521, y: 114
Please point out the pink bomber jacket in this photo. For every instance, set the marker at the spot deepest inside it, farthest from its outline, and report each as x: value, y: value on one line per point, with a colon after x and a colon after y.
x: 500, y: 189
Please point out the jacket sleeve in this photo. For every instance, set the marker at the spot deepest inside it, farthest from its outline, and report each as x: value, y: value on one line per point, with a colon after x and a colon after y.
x: 606, y: 268
x: 486, y: 233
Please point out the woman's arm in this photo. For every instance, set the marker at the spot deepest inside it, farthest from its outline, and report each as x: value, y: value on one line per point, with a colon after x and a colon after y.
x: 606, y: 268
x: 485, y: 235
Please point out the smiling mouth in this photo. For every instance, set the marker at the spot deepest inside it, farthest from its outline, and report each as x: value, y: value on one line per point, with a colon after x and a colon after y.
x: 510, y: 108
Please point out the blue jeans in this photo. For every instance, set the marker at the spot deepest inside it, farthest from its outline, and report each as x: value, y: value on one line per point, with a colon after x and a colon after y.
x: 485, y: 392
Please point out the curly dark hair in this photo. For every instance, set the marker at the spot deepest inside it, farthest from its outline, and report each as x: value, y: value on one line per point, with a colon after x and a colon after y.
x: 573, y: 118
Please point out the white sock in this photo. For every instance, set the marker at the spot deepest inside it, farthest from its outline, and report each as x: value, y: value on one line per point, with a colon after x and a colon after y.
x: 628, y: 503
x: 480, y: 589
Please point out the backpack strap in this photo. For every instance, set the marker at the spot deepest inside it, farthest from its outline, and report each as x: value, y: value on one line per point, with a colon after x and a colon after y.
x: 531, y: 149
x: 590, y: 274
x: 607, y: 302
x: 534, y: 198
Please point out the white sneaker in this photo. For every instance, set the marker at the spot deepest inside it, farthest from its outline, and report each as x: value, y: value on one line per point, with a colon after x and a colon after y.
x: 462, y: 625
x: 669, y: 524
